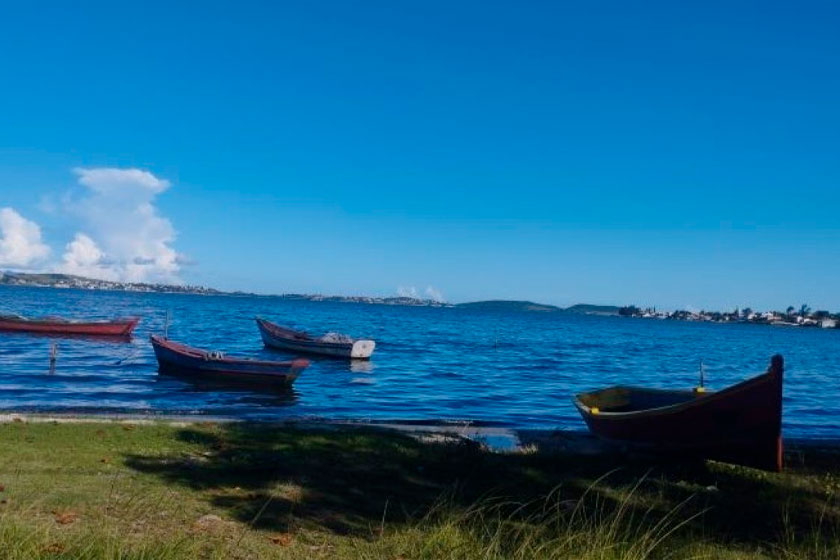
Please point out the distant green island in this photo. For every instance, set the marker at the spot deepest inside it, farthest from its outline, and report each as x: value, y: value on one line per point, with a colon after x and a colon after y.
x: 532, y: 307
x: 509, y: 305
x: 589, y: 309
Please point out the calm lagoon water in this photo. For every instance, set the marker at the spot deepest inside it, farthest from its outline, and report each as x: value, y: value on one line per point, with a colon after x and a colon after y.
x: 511, y: 369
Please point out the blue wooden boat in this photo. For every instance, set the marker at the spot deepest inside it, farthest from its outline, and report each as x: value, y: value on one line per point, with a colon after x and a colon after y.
x: 180, y: 359
x: 275, y: 336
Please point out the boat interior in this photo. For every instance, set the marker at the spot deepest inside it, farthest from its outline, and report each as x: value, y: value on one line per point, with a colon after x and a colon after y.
x: 631, y: 399
x: 283, y: 331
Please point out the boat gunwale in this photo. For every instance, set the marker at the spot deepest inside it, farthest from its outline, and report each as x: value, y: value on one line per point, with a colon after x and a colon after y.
x: 121, y: 327
x: 704, y: 398
x: 272, y: 329
x: 280, y: 331
x: 199, y: 354
x: 60, y: 321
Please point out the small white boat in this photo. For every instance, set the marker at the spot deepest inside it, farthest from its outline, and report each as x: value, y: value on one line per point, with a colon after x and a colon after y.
x: 331, y: 344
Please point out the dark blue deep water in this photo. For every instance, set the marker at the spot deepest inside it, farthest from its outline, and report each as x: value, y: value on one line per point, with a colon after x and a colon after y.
x: 513, y: 369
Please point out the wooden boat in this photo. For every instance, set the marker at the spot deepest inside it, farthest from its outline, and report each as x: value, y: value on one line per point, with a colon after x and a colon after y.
x: 176, y: 358
x: 275, y: 336
x: 60, y: 326
x: 741, y: 424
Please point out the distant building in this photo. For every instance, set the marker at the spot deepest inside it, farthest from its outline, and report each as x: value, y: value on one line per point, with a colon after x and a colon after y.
x: 828, y: 323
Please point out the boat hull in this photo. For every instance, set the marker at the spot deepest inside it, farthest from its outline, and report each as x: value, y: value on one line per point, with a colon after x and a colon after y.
x: 179, y: 359
x: 280, y: 338
x: 117, y: 328
x: 741, y: 424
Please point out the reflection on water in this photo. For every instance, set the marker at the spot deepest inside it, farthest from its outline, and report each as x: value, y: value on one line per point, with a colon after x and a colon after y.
x: 56, y: 338
x: 516, y: 369
x: 260, y: 394
x: 361, y: 366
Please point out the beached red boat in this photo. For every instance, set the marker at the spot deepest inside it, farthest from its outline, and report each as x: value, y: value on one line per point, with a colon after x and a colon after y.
x: 741, y: 424
x: 180, y: 359
x: 60, y: 326
x: 331, y: 344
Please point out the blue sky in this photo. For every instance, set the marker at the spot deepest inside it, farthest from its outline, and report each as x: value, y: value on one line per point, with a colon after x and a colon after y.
x: 674, y: 155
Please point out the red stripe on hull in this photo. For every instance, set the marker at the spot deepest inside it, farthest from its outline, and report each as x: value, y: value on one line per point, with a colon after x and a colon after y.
x: 179, y: 358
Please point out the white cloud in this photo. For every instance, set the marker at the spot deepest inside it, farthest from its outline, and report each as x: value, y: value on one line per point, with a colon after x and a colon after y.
x: 83, y: 257
x: 20, y: 240
x: 433, y: 294
x: 430, y: 292
x: 126, y: 237
x: 108, y: 180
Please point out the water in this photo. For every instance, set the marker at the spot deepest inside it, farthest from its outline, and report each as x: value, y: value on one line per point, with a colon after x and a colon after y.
x: 510, y: 369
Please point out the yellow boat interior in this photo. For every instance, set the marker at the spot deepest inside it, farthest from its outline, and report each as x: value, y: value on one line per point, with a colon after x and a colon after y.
x: 632, y: 399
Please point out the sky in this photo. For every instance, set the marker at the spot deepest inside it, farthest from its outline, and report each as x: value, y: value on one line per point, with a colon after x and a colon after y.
x: 679, y: 155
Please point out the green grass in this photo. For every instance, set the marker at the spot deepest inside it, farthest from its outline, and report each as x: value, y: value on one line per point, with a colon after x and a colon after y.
x: 210, y: 491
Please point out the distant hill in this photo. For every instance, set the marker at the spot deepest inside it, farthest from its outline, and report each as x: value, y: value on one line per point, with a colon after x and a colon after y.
x: 509, y: 305
x: 589, y: 309
x: 530, y: 306
x: 55, y: 280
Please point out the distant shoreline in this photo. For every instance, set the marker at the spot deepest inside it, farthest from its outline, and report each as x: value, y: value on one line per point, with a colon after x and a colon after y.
x: 803, y: 317
x: 66, y: 281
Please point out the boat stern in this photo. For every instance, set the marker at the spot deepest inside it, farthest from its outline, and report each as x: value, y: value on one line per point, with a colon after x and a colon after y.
x: 300, y: 364
x: 297, y: 368
x: 130, y: 325
x: 362, y: 349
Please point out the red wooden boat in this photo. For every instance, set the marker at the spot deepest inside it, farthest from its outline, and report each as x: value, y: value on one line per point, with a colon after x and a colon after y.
x: 60, y: 326
x: 275, y: 336
x: 741, y: 424
x: 178, y: 359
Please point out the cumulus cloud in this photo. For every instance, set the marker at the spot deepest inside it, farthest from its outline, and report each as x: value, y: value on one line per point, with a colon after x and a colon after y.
x: 412, y: 292
x: 83, y: 257
x: 433, y: 294
x: 20, y: 241
x: 120, y: 182
x: 125, y: 236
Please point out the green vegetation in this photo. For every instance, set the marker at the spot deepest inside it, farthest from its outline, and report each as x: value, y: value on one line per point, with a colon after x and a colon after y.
x: 211, y: 491
x: 629, y: 311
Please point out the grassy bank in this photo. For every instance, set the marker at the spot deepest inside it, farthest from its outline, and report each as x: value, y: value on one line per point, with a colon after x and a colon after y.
x: 245, y: 491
